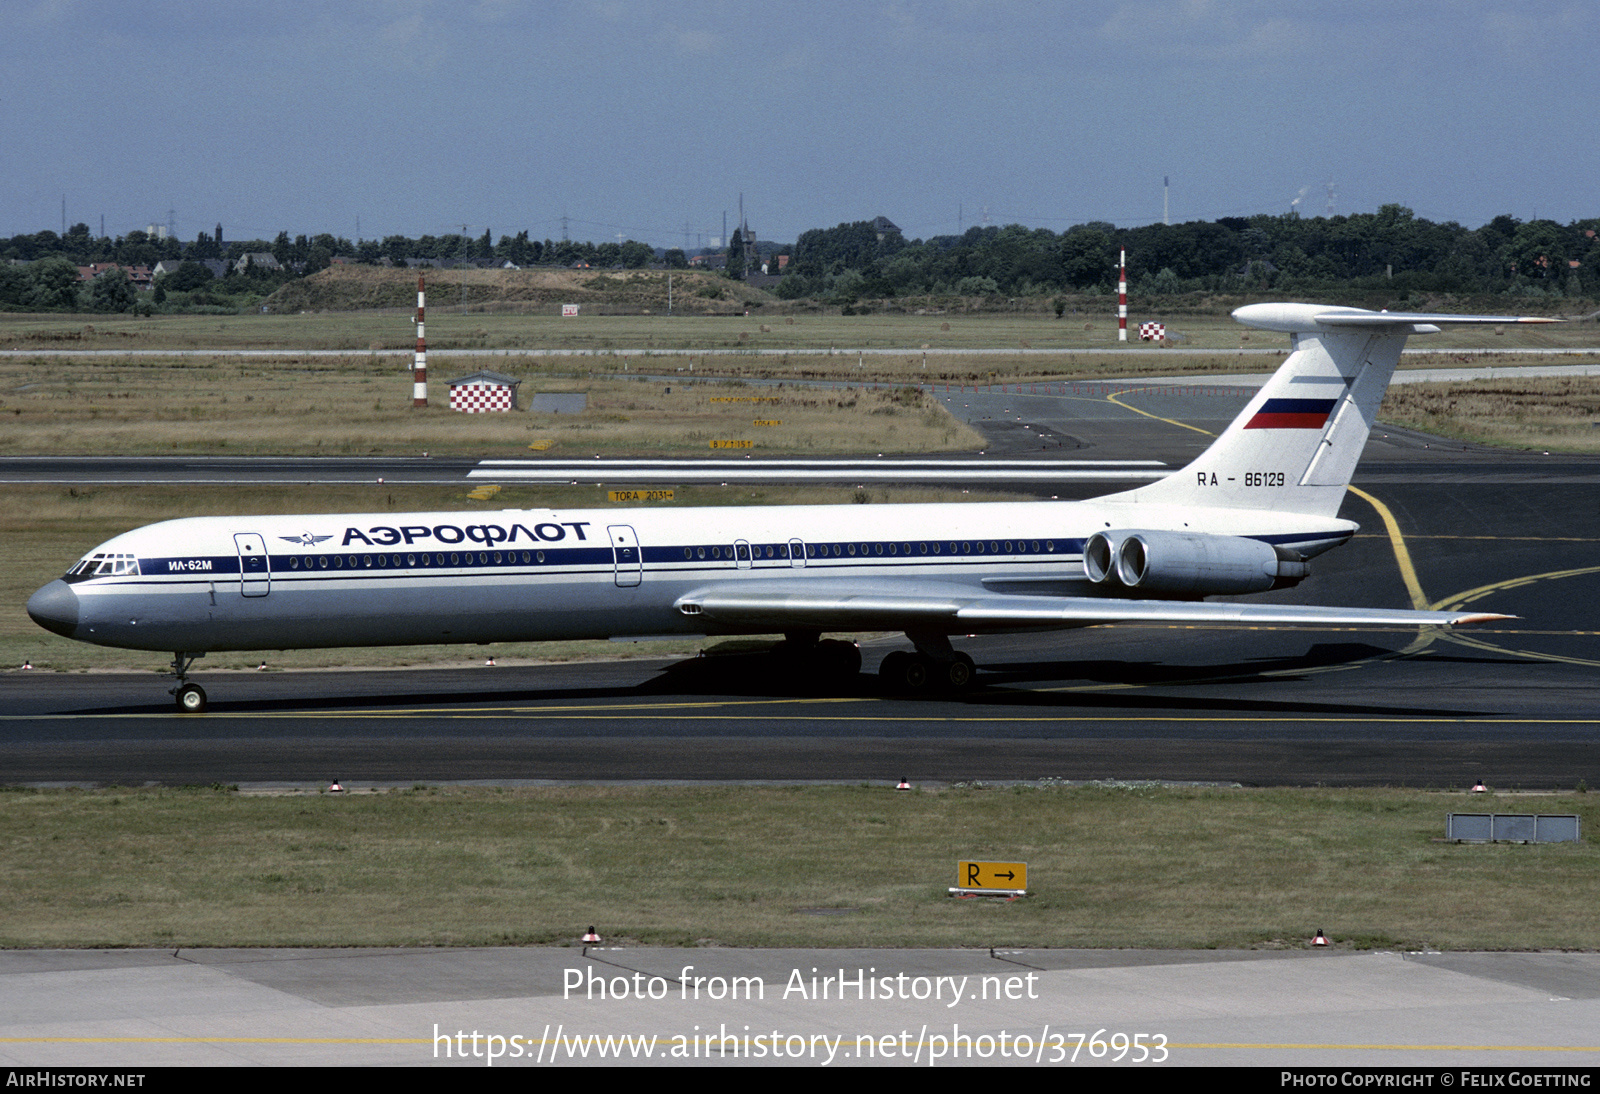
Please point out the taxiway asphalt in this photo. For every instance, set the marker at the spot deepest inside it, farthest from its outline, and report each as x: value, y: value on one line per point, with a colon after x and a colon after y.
x: 136, y: 1009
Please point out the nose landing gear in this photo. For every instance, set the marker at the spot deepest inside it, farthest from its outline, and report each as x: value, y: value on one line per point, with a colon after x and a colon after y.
x: 191, y: 697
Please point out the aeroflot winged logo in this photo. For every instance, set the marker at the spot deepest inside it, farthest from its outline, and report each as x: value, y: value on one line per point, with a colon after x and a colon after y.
x: 1292, y: 414
x: 304, y: 539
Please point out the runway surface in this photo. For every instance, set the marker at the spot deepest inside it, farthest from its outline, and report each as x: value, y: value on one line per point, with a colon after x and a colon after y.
x: 1513, y: 703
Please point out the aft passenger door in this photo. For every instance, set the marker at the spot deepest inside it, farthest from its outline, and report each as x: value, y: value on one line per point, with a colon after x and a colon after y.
x: 255, y: 573
x: 627, y: 556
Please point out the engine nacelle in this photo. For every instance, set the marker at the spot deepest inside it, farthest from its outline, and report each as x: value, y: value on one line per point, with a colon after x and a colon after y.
x: 1189, y: 563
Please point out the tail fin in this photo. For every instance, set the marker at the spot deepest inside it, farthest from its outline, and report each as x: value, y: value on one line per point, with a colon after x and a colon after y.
x: 1295, y: 446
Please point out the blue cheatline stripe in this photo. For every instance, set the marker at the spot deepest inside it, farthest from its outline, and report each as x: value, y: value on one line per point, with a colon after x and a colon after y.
x: 1298, y: 406
x: 681, y: 558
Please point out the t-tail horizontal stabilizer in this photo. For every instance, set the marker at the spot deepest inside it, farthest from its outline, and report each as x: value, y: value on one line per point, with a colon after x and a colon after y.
x: 1295, y: 447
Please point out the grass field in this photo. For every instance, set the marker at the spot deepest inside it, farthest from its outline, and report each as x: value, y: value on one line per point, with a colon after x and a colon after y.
x: 361, y: 405
x: 1557, y: 415
x: 393, y: 329
x: 1091, y: 327
x: 755, y: 866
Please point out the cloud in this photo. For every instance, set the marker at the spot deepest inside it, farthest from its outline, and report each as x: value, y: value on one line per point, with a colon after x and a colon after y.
x: 697, y: 42
x: 497, y: 11
x: 41, y: 13
x: 1221, y: 30
x: 1528, y: 37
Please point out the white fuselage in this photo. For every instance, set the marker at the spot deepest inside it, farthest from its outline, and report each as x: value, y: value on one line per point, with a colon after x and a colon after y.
x: 269, y: 582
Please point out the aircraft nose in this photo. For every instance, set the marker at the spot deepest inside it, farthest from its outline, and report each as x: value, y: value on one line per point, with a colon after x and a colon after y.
x: 55, y: 608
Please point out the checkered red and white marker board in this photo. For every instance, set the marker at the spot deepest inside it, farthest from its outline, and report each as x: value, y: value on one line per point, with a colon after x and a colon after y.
x: 480, y: 398
x: 1152, y: 332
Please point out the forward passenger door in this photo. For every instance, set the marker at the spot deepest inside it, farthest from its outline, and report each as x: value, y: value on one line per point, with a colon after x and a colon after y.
x: 255, y: 572
x: 627, y: 557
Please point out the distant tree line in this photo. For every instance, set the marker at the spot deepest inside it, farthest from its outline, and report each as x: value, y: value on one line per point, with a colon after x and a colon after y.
x: 40, y: 271
x: 309, y: 254
x: 139, y: 248
x: 1391, y: 248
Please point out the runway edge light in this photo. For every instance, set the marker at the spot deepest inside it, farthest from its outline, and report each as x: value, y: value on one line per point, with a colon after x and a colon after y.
x: 1320, y: 939
x: 590, y: 936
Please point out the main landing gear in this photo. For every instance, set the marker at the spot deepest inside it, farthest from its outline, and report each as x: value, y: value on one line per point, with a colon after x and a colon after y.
x: 820, y: 663
x: 191, y: 697
x: 934, y: 667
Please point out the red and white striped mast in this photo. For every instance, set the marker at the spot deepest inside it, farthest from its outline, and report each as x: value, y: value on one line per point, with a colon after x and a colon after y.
x: 1122, y: 297
x: 419, y: 375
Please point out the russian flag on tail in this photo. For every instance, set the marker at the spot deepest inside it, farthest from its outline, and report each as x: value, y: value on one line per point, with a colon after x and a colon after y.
x: 1292, y: 414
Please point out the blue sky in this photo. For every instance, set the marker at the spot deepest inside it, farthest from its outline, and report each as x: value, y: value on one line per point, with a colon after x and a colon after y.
x: 648, y: 118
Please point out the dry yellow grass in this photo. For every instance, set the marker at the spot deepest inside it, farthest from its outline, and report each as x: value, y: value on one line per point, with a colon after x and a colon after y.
x: 1557, y: 415
x: 537, y: 290
x: 1108, y: 865
x: 385, y: 322
x: 361, y: 405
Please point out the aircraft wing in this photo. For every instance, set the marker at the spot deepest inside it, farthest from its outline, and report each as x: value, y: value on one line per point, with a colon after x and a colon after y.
x: 891, y: 606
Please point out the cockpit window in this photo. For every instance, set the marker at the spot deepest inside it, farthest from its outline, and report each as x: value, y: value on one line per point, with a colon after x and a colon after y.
x: 105, y: 564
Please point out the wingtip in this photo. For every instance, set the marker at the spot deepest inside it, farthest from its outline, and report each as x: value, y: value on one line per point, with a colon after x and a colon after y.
x: 1482, y: 617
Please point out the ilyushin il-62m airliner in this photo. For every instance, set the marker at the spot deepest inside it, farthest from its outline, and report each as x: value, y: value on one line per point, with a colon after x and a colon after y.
x: 1242, y: 518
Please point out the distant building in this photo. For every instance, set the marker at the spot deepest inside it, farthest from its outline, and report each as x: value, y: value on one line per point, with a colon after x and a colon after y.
x: 141, y: 276
x: 484, y: 392
x: 262, y: 260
